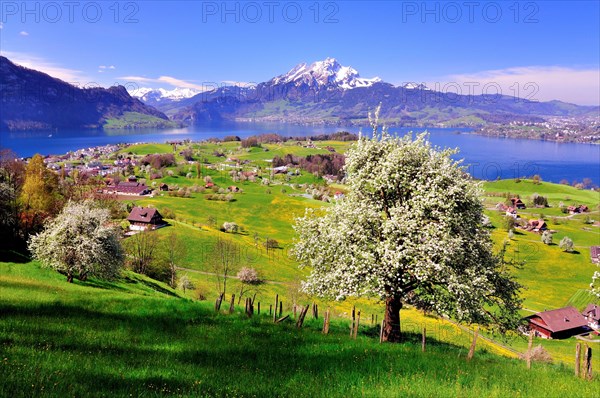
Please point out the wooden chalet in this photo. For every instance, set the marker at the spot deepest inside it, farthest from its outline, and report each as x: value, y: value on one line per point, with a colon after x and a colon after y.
x: 145, y: 218
x: 592, y: 315
x: 518, y: 203
x: 577, y: 209
x: 561, y: 323
x: 129, y: 187
x: 537, y: 225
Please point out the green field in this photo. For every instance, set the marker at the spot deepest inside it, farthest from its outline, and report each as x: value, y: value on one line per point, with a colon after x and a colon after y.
x: 142, y: 338
x: 126, y: 339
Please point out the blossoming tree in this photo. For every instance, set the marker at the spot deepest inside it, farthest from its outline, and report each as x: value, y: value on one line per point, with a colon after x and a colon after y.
x: 410, y: 226
x: 80, y: 242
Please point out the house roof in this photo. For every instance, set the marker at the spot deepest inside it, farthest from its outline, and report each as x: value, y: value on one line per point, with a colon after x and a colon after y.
x: 143, y: 214
x: 559, y: 320
x: 592, y: 311
x: 595, y: 251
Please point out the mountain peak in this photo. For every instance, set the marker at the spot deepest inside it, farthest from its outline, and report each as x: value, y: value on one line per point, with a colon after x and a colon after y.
x: 150, y: 94
x: 327, y: 73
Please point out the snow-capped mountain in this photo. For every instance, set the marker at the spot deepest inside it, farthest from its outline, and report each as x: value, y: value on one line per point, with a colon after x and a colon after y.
x: 415, y: 86
x: 328, y: 73
x: 157, y: 95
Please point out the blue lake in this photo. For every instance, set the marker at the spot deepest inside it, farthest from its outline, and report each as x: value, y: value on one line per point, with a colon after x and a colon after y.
x: 487, y: 157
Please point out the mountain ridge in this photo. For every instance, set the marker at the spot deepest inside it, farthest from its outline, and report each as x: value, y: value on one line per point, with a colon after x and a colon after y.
x: 33, y: 100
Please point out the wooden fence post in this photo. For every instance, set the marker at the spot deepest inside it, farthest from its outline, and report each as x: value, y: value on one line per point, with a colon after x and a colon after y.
x: 282, y: 319
x: 258, y: 308
x: 300, y: 320
x: 529, y: 348
x: 587, y: 360
x: 275, y: 308
x: 218, y: 302
x: 577, y: 359
x: 423, y: 339
x: 316, y: 312
x: 326, y: 322
x: 381, y: 331
x: 294, y: 311
x: 270, y: 309
x: 280, y: 308
x: 352, y: 323
x: 472, y: 349
x: 356, y: 323
x: 232, y: 304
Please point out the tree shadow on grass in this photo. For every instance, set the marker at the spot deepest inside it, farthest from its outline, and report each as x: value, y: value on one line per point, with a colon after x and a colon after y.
x: 11, y: 256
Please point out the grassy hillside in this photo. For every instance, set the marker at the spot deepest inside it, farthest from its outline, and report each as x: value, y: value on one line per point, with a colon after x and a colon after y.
x: 136, y: 120
x: 135, y: 337
x: 551, y: 278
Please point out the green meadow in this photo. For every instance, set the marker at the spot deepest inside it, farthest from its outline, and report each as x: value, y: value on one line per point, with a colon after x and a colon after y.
x: 136, y: 336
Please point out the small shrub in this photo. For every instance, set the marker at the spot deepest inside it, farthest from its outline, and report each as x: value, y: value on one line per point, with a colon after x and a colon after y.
x: 271, y: 243
x: 230, y: 227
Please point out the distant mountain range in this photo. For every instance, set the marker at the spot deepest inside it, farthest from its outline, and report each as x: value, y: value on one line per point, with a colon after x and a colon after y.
x: 32, y: 100
x: 324, y: 92
x: 327, y: 92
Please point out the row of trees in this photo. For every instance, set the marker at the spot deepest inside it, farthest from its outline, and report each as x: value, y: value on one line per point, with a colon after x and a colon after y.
x: 320, y: 164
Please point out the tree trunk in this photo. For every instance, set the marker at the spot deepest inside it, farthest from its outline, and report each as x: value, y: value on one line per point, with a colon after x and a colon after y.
x: 70, y: 277
x: 391, y: 331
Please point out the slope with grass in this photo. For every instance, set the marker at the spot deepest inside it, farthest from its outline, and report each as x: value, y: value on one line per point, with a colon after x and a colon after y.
x: 550, y: 276
x: 135, y: 337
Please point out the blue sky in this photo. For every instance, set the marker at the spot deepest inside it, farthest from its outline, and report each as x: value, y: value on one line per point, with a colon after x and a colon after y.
x: 553, y: 45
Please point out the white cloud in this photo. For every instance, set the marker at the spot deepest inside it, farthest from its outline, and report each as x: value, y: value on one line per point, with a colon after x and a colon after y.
x: 34, y: 62
x: 112, y: 67
x: 23, y: 33
x: 168, y: 80
x: 541, y: 83
x: 1, y: 25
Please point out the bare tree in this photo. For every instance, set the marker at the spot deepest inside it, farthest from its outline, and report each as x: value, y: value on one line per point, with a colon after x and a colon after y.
x: 141, y: 248
x: 224, y: 260
x: 174, y: 251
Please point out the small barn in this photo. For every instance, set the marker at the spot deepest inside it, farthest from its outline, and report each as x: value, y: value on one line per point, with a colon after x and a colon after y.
x: 145, y: 218
x: 561, y: 323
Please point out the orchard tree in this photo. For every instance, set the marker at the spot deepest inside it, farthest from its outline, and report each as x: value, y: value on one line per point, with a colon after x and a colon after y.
x: 249, y: 279
x: 547, y: 237
x: 410, y: 226
x: 186, y: 284
x: 80, y: 242
x: 566, y: 244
